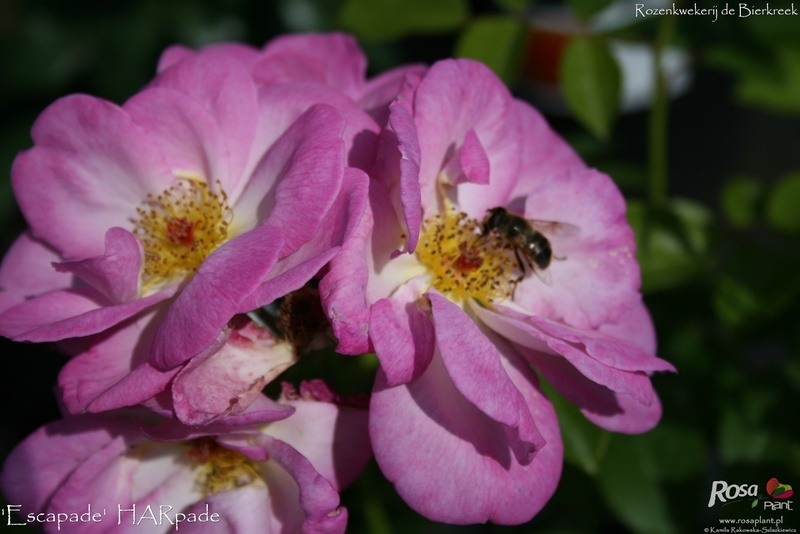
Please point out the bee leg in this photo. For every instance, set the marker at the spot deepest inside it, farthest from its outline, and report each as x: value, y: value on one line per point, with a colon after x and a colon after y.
x: 514, y: 289
x: 521, y: 266
x: 519, y: 263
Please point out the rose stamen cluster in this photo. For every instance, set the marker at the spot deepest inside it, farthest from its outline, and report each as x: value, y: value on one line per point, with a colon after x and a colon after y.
x: 221, y: 469
x: 462, y: 262
x: 180, y: 227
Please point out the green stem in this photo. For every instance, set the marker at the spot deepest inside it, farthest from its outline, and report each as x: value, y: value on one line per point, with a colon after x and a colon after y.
x: 601, y: 446
x: 375, y: 515
x: 658, y: 125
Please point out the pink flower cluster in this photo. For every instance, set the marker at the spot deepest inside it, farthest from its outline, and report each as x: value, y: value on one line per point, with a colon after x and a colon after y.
x: 435, y: 221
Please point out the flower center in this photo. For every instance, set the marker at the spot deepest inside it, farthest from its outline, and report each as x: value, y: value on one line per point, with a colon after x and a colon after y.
x: 180, y: 227
x: 221, y: 468
x: 463, y: 263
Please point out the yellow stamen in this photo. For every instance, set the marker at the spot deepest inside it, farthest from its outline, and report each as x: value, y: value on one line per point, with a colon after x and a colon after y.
x: 179, y: 228
x: 462, y: 262
x: 221, y: 469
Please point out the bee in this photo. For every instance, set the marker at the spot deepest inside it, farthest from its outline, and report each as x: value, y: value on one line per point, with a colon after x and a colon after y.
x: 297, y: 318
x: 528, y: 242
x: 302, y: 320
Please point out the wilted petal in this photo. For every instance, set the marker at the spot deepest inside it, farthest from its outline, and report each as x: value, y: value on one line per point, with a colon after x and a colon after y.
x: 230, y: 379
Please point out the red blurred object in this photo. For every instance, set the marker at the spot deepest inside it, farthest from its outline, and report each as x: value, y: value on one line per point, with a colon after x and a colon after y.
x: 545, y: 48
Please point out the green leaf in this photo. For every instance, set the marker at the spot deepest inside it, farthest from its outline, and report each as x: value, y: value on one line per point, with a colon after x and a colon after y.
x: 591, y: 81
x: 756, y: 284
x: 755, y: 503
x: 496, y: 41
x: 307, y: 15
x: 741, y: 440
x: 628, y: 175
x: 673, y: 243
x: 586, y: 9
x: 628, y: 482
x: 667, y: 438
x: 782, y: 204
x: 740, y: 201
x: 778, y: 93
x: 768, y: 75
x: 384, y: 20
x: 514, y: 6
x: 373, y: 507
x: 734, y: 301
x: 772, y: 29
x: 782, y: 488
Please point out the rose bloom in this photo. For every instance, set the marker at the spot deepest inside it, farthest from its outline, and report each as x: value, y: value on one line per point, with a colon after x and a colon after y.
x: 156, y: 224
x: 460, y: 311
x: 275, y: 477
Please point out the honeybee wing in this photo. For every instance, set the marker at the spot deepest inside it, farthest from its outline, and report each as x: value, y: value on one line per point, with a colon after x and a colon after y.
x: 554, y: 228
x: 544, y: 276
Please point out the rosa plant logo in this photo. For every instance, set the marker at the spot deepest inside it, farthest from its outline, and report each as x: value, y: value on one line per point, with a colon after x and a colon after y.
x: 728, y: 493
x: 776, y: 490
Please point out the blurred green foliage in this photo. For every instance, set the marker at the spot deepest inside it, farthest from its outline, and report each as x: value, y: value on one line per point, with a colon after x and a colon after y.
x: 386, y: 20
x: 764, y: 55
x: 507, y: 35
x: 722, y: 280
x: 740, y: 200
x: 782, y: 203
x: 674, y: 242
x: 586, y: 9
x: 592, y: 81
